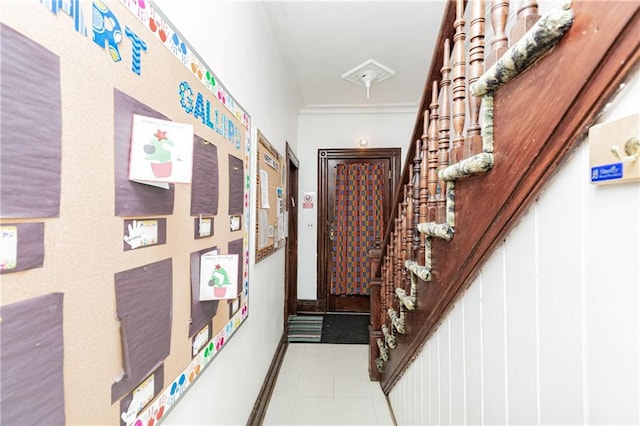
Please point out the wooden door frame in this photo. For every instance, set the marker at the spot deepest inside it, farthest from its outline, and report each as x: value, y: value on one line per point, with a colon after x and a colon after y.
x: 291, y: 247
x: 323, y: 242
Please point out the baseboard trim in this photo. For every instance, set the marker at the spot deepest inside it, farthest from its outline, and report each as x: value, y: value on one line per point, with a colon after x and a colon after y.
x: 306, y: 306
x: 262, y: 401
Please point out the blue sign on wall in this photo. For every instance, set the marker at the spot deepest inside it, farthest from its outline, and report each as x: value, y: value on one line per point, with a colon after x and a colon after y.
x: 606, y: 172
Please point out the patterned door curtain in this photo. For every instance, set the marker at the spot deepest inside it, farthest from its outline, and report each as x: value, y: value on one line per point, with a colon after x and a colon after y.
x: 357, y: 223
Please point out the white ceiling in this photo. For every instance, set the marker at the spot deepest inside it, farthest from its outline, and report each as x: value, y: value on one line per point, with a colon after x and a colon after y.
x: 321, y: 40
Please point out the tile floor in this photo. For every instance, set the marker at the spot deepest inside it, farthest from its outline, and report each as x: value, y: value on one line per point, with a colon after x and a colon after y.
x: 325, y: 384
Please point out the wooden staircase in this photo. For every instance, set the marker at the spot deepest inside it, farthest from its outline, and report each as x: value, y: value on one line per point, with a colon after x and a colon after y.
x: 492, y: 128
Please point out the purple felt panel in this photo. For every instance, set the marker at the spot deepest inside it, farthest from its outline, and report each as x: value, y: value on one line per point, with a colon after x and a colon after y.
x: 204, y: 183
x: 132, y: 198
x: 236, y: 185
x: 236, y: 247
x: 158, y: 384
x: 32, y: 362
x: 201, y: 312
x: 162, y: 232
x: 30, y: 128
x: 30, y: 250
x: 144, y: 307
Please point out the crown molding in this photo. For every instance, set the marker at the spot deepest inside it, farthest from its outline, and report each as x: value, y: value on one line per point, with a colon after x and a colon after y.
x: 404, y: 108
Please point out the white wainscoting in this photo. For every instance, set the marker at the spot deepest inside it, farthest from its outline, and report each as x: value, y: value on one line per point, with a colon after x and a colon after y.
x: 549, y: 331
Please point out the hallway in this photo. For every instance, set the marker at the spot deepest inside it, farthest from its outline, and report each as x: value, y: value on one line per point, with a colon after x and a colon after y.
x: 326, y: 384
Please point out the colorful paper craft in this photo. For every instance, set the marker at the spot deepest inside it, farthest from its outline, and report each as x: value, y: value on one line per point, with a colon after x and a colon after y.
x: 201, y: 312
x: 218, y: 276
x: 161, y: 151
x: 21, y: 246
x: 141, y: 233
x: 132, y: 198
x: 8, y: 247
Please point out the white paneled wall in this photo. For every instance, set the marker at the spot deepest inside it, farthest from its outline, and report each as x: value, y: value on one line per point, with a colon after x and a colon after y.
x: 549, y: 331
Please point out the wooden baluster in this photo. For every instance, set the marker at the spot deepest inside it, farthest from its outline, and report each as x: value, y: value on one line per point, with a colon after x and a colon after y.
x: 476, y: 69
x: 432, y: 161
x: 458, y: 92
x: 444, y: 126
x: 416, y: 199
x: 388, y: 302
x: 399, y: 266
x: 403, y: 232
x: 424, y: 192
x: 390, y: 271
x: 383, y: 290
x: 526, y: 17
x: 410, y: 224
x: 499, y: 42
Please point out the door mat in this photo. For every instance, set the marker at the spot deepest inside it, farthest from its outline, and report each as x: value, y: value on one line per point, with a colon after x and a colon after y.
x: 303, y: 328
x: 345, y: 329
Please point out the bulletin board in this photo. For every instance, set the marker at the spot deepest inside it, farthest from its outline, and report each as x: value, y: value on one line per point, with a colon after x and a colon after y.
x: 124, y: 173
x: 270, y: 206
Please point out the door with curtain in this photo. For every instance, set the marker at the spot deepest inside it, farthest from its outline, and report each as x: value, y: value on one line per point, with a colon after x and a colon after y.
x: 356, y: 190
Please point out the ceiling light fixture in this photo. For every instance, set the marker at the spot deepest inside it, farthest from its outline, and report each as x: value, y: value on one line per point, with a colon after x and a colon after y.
x: 367, y: 74
x: 363, y: 142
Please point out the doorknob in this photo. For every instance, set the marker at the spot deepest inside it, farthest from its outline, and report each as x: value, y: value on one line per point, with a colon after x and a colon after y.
x: 331, y: 231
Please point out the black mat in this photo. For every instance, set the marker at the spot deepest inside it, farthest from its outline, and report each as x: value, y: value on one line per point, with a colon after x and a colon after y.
x: 345, y: 329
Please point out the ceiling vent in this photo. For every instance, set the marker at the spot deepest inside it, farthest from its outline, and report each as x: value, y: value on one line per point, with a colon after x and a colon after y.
x: 368, y: 73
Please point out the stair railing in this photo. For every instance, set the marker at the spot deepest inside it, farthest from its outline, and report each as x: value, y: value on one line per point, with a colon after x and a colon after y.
x: 456, y: 141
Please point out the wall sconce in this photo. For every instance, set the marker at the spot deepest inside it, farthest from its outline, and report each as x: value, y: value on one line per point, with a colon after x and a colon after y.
x: 363, y: 143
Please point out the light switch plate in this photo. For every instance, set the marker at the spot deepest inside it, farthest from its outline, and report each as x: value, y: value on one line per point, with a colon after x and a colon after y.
x: 605, y: 167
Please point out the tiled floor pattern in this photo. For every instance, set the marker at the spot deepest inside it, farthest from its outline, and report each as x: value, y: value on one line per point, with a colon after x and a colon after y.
x: 324, y: 384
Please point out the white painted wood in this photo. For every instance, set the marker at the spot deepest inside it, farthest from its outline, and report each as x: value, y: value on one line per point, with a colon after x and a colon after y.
x: 410, y: 402
x: 445, y: 373
x: 473, y: 352
x: 434, y: 370
x: 426, y: 387
x: 457, y: 363
x: 417, y: 389
x: 423, y: 395
x: 521, y: 292
x: 493, y: 344
x: 560, y: 294
x: 612, y: 302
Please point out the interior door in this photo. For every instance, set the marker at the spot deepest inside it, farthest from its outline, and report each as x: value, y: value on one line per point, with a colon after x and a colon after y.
x: 356, y: 191
x: 291, y: 261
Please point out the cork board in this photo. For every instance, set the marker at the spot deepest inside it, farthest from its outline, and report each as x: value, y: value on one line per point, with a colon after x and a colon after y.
x: 270, y: 214
x: 84, y: 69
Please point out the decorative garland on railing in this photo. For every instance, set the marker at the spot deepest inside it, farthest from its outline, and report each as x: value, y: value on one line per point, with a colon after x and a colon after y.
x: 389, y: 338
x: 538, y: 41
